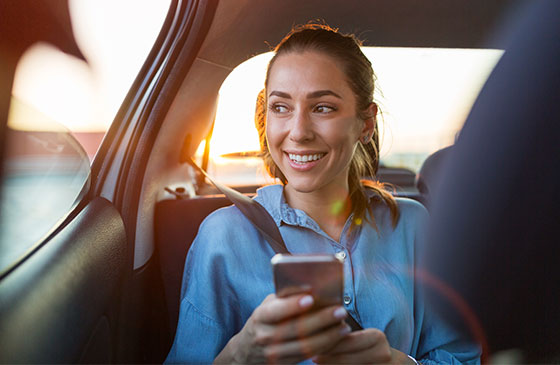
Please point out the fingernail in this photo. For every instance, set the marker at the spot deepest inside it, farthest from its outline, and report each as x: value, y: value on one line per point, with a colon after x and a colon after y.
x: 306, y: 301
x: 340, y: 313
x: 345, y: 330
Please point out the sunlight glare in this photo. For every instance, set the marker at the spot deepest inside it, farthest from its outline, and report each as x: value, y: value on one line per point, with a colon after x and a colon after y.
x: 235, y: 117
x: 115, y: 37
x: 56, y: 85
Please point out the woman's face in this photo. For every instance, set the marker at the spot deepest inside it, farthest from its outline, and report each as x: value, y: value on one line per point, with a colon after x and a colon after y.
x: 312, y: 124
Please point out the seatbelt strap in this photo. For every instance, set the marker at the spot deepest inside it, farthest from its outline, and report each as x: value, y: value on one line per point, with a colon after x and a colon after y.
x: 262, y: 221
x: 255, y: 212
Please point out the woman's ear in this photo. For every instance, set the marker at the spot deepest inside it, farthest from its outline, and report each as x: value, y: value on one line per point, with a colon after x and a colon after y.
x: 369, y: 123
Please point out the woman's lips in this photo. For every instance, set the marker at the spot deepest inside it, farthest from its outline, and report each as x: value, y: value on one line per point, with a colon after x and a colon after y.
x: 302, y: 158
x: 304, y: 161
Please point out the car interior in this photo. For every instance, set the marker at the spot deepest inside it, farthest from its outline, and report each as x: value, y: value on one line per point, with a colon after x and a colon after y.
x: 104, y: 286
x: 172, y: 235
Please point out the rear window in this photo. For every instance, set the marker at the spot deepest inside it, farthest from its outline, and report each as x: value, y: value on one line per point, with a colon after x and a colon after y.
x: 424, y: 94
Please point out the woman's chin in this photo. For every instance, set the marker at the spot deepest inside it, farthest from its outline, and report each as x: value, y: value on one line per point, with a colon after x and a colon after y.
x: 302, y: 186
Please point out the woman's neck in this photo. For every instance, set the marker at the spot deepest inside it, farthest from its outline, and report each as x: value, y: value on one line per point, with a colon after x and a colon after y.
x: 329, y: 207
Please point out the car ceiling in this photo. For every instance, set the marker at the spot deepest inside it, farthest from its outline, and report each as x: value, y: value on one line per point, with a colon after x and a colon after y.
x: 240, y: 28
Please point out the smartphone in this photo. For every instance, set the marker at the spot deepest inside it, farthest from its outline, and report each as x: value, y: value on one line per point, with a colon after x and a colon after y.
x: 319, y: 275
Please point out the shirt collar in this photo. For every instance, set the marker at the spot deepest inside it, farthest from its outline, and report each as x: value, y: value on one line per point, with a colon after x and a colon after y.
x: 272, y: 198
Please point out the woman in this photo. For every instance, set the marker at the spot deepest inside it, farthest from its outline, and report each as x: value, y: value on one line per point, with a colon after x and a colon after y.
x: 317, y: 122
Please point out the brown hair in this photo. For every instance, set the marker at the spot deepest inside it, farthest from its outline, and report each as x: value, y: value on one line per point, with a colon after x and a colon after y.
x: 345, y: 49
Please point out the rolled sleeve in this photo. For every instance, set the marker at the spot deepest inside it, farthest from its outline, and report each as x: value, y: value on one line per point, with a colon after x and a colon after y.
x: 198, y: 337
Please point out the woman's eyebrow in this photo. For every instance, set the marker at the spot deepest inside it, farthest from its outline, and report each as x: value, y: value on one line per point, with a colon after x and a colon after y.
x: 280, y: 94
x: 311, y: 95
x: 319, y: 93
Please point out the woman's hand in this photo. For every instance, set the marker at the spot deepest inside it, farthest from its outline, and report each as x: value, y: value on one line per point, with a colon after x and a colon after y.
x: 284, y: 330
x: 369, y: 346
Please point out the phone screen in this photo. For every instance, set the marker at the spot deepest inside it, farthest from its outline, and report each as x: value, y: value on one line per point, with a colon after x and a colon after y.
x: 319, y: 275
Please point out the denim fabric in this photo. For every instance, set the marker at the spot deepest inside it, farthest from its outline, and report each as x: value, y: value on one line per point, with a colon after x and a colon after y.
x: 228, y: 274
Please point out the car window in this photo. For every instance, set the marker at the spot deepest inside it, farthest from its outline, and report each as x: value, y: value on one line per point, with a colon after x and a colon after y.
x: 424, y: 94
x: 60, y: 109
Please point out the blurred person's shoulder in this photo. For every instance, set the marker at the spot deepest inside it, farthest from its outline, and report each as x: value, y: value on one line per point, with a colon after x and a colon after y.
x: 411, y: 214
x: 411, y: 207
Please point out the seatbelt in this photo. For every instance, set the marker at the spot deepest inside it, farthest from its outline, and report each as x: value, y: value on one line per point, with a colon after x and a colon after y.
x: 262, y: 221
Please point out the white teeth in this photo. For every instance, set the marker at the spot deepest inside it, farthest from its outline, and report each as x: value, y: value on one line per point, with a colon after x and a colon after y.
x: 305, y: 158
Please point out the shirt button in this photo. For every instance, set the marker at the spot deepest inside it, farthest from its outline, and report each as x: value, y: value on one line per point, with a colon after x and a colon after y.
x: 341, y: 255
x: 347, y: 299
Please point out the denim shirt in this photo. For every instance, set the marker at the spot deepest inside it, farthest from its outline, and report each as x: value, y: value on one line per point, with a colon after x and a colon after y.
x: 228, y: 274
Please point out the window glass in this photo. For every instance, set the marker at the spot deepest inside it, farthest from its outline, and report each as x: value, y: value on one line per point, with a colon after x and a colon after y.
x: 424, y: 94
x: 46, y: 172
x: 61, y: 108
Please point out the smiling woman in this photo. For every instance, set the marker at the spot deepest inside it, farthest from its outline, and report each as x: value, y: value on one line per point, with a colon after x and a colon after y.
x: 316, y: 120
x: 311, y: 120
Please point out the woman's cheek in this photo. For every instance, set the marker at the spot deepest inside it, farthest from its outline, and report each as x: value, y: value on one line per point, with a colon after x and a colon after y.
x: 272, y: 134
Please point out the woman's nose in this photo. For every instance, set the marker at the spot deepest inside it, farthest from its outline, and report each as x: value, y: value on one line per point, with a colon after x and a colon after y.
x: 301, y: 128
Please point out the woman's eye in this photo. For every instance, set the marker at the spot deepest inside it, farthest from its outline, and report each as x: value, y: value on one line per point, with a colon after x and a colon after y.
x: 279, y: 108
x: 324, y: 109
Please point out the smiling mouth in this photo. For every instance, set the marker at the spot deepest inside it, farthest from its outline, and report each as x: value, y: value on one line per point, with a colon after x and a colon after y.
x: 302, y: 159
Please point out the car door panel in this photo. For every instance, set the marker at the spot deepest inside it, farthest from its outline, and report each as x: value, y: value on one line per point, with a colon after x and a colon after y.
x: 59, y: 305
